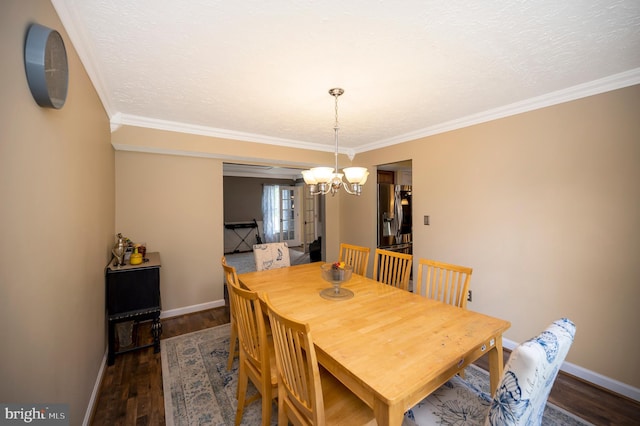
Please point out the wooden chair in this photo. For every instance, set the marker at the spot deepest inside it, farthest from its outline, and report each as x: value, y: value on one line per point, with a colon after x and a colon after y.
x: 257, y: 359
x: 356, y: 256
x: 522, y: 392
x: 308, y: 394
x: 443, y: 281
x: 231, y: 276
x: 271, y: 256
x: 392, y: 268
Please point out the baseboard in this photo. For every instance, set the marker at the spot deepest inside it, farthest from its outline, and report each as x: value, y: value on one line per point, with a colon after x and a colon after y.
x: 94, y: 394
x: 590, y: 376
x: 191, y: 309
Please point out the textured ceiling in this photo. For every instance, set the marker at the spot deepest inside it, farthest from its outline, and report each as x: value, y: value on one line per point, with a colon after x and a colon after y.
x: 261, y: 70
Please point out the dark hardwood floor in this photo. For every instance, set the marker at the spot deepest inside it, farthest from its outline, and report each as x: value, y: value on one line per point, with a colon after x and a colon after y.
x: 131, y: 390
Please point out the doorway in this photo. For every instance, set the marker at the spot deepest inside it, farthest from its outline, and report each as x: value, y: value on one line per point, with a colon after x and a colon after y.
x: 300, y: 222
x: 395, y: 206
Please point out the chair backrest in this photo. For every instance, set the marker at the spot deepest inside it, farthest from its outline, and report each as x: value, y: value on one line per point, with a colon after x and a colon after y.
x: 529, y: 375
x: 392, y: 268
x: 445, y: 282
x: 228, y: 272
x: 230, y: 275
x: 356, y: 256
x: 299, y: 386
x: 249, y: 320
x: 271, y: 256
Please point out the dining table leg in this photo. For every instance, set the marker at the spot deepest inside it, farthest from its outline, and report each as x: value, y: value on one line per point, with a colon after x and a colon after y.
x: 387, y: 415
x: 496, y: 364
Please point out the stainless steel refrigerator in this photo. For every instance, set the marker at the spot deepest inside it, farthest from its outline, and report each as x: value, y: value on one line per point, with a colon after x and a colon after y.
x: 394, y: 217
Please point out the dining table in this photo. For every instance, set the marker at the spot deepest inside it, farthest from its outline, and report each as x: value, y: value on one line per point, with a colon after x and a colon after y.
x: 389, y: 346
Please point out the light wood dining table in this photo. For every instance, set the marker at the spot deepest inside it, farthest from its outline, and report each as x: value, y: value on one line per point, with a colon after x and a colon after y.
x: 389, y: 346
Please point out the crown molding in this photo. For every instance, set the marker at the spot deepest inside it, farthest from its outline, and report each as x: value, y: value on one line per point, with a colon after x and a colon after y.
x: 607, y: 84
x: 119, y: 119
x: 250, y: 174
x: 225, y: 158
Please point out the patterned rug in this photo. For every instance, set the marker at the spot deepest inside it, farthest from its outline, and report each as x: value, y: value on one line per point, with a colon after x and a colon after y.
x: 198, y: 389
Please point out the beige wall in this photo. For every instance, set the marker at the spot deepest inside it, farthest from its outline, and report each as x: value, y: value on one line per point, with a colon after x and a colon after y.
x: 173, y: 204
x: 178, y: 209
x: 545, y: 206
x: 57, y: 189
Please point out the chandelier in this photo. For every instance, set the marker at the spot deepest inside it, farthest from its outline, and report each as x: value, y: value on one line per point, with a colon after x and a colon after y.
x: 322, y: 180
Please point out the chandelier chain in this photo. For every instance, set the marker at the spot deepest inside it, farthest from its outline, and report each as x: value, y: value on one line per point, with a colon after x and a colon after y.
x: 336, y: 127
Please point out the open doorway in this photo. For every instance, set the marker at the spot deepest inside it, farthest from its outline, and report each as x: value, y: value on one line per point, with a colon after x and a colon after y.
x: 395, y: 210
x: 293, y: 216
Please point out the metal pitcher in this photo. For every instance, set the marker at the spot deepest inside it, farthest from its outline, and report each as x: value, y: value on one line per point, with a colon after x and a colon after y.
x: 118, y: 250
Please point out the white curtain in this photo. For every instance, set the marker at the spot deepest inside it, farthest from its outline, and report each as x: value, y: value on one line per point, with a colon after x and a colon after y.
x: 271, y: 213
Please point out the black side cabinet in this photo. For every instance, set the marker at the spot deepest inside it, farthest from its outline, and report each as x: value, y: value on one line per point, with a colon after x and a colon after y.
x: 133, y: 294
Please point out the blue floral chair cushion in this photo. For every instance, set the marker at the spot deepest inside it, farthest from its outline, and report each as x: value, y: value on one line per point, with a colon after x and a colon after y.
x: 271, y: 256
x: 522, y: 393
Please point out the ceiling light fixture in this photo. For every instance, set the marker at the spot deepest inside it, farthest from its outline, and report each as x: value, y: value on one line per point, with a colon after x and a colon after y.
x: 322, y: 180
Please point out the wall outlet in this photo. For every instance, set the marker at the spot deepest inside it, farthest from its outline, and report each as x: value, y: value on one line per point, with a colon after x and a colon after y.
x: 469, y: 296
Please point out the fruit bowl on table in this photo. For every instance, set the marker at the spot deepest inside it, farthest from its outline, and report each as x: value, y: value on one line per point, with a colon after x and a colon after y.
x: 336, y: 273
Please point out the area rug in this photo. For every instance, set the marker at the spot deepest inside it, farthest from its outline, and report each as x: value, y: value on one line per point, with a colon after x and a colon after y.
x: 198, y: 389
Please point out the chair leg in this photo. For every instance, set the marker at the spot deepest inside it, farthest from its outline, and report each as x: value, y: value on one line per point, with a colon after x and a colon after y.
x: 282, y: 414
x: 233, y: 345
x: 242, y: 391
x: 266, y: 408
x: 267, y: 398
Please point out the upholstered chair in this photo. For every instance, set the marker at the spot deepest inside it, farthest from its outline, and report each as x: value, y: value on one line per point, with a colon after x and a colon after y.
x: 521, y: 395
x: 271, y: 256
